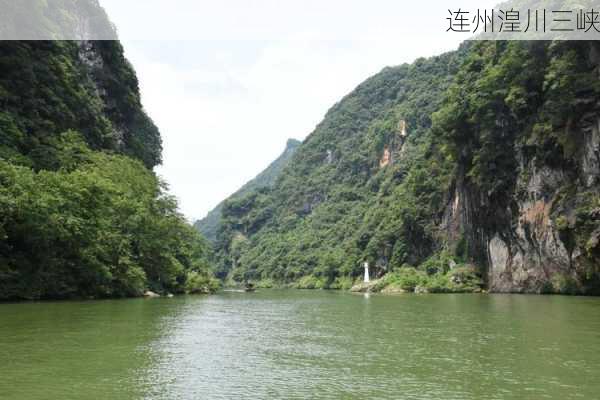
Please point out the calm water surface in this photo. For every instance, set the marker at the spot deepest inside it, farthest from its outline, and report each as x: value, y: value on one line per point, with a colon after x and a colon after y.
x: 299, y: 345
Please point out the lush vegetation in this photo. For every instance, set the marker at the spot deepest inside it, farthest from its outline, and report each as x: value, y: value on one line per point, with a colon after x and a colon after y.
x: 49, y: 87
x: 81, y: 213
x: 438, y: 274
x: 335, y: 205
x: 479, y: 119
x: 517, y: 108
x: 209, y: 225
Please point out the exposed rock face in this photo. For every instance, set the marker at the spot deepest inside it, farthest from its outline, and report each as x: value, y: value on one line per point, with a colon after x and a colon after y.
x: 91, y: 58
x: 590, y: 160
x: 531, y: 253
x: 393, y: 290
x: 394, y: 150
x: 386, y: 158
x: 528, y: 260
x: 366, y: 287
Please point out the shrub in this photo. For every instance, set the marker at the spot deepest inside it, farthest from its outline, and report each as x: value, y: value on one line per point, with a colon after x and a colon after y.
x: 265, y: 284
x: 198, y: 283
x: 407, y: 278
x: 464, y: 279
x: 342, y: 283
x: 310, y: 282
x: 563, y: 284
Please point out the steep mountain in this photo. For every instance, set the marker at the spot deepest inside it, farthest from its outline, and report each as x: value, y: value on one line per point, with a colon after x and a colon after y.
x: 81, y: 212
x: 49, y: 87
x: 54, y: 20
x: 478, y: 163
x: 521, y: 126
x: 326, y: 212
x: 209, y: 225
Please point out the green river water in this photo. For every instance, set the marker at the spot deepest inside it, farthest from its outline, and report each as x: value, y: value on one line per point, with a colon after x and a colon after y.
x: 303, y: 345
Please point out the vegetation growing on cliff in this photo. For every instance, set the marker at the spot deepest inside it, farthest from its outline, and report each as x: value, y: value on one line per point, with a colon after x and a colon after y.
x: 336, y: 205
x: 482, y: 122
x: 210, y: 225
x: 520, y: 109
x: 49, y: 87
x: 81, y: 213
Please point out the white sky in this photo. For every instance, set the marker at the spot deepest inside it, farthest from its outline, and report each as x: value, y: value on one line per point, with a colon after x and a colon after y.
x: 229, y: 81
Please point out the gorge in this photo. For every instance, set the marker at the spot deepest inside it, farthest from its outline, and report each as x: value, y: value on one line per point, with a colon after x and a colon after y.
x: 497, y: 174
x: 474, y: 173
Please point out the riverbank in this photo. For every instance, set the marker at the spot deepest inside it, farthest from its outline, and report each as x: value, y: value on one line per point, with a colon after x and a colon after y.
x: 196, y: 284
x: 459, y: 279
x: 456, y: 278
x: 410, y: 280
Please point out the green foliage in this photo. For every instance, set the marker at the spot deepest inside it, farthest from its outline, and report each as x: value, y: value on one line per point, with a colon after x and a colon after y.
x: 511, y: 93
x: 439, y: 263
x: 461, y: 279
x: 342, y: 283
x: 76, y: 218
x: 481, y: 122
x: 101, y: 226
x: 405, y: 278
x: 310, y: 282
x: 211, y: 224
x: 50, y: 87
x: 334, y: 206
x: 201, y: 283
x: 562, y: 284
x: 265, y: 284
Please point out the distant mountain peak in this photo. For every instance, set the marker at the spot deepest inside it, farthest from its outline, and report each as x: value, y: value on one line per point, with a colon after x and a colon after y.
x: 209, y: 225
x: 292, y: 143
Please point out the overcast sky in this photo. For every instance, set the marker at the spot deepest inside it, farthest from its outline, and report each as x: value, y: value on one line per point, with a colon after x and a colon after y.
x: 229, y: 81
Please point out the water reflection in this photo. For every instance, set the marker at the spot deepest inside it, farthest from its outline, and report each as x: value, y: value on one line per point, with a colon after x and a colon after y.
x: 70, y: 350
x: 295, y: 344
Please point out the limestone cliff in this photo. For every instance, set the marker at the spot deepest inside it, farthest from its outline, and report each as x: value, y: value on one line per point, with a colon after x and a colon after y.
x: 543, y: 233
x: 482, y: 159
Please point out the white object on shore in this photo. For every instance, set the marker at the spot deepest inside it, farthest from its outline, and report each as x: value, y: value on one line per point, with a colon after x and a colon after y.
x: 366, y: 265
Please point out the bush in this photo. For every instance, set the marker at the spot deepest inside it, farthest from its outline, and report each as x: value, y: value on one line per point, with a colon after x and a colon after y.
x: 439, y: 263
x: 310, y: 282
x: 406, y: 278
x: 462, y: 279
x: 265, y: 284
x: 342, y: 283
x: 106, y: 228
x: 563, y: 284
x: 198, y: 283
x: 438, y: 283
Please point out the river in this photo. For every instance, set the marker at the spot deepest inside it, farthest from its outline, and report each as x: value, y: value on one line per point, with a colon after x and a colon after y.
x: 303, y: 345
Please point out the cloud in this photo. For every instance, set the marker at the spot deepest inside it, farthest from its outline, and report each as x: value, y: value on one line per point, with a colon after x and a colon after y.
x: 226, y: 107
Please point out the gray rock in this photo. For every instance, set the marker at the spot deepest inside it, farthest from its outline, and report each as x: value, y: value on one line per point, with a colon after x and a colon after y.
x: 421, y: 290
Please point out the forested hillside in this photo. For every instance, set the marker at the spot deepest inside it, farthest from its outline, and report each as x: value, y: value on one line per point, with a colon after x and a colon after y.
x: 81, y: 212
x: 475, y: 168
x: 209, y: 225
x: 331, y: 207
